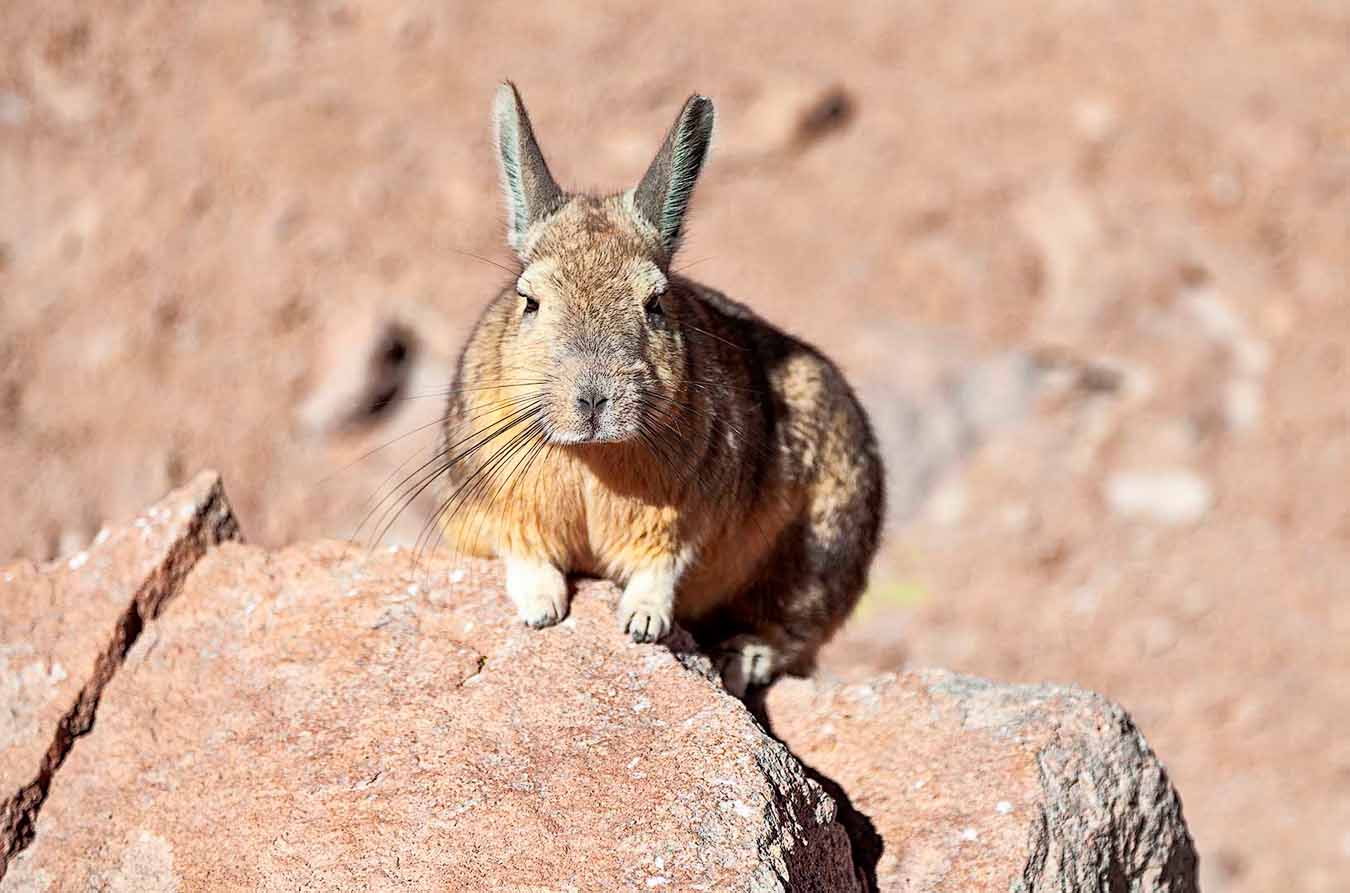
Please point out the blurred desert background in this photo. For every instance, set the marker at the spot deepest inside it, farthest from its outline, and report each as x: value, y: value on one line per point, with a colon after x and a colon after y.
x: 1085, y: 261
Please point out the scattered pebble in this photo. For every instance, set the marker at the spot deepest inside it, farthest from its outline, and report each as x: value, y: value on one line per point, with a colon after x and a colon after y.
x: 948, y: 505
x: 1003, y: 807
x: 1096, y: 119
x: 1242, y: 404
x: 1160, y: 636
x: 970, y: 834
x: 13, y: 109
x: 1167, y: 497
x: 1085, y: 600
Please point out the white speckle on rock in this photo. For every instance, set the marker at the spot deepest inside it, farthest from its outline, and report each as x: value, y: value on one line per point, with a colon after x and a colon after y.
x: 78, y: 559
x: 918, y: 785
x: 102, y: 537
x: 970, y: 834
x: 632, y: 764
x: 657, y: 881
x: 1168, y: 497
x: 641, y: 705
x: 457, y: 575
x: 1003, y: 807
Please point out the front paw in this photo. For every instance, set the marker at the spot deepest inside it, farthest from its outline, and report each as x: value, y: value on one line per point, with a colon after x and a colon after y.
x: 538, y: 590
x: 645, y: 622
x: 541, y: 609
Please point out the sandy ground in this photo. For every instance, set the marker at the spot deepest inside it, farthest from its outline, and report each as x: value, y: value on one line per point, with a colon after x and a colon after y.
x: 1086, y: 262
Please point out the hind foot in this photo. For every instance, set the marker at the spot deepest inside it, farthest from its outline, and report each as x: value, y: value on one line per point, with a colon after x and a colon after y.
x: 745, y: 661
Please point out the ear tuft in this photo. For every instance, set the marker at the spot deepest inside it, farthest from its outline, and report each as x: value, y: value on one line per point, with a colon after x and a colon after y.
x: 527, y: 186
x: 663, y: 195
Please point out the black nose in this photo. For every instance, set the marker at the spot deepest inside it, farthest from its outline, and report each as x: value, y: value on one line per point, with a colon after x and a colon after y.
x: 590, y: 401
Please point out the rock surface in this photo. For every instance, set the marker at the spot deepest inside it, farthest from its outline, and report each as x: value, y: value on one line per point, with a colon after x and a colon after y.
x: 326, y: 717
x: 333, y: 718
x: 65, y: 627
x: 960, y: 784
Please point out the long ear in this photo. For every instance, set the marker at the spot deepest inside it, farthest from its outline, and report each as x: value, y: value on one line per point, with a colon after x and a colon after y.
x: 663, y: 195
x: 530, y: 192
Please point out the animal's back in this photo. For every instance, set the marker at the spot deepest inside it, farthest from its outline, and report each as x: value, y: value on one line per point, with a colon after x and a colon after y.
x: 812, y: 519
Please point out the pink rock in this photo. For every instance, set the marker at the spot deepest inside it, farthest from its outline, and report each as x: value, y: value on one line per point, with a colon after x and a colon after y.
x: 955, y: 783
x: 327, y: 718
x: 66, y: 626
x: 330, y: 718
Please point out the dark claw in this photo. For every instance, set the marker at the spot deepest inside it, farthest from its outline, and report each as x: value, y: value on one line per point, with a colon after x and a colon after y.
x: 643, y: 634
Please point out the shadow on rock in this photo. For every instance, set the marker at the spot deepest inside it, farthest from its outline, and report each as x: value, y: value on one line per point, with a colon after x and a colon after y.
x: 862, y: 833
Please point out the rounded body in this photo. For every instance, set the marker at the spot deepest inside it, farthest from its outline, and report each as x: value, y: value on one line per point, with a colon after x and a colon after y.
x: 763, y: 476
x: 609, y: 417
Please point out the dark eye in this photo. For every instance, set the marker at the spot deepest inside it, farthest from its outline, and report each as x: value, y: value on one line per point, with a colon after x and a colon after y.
x: 653, y: 305
x: 531, y: 305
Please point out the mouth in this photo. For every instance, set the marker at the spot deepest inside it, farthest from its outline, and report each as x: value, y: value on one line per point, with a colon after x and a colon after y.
x: 577, y: 438
x: 591, y: 433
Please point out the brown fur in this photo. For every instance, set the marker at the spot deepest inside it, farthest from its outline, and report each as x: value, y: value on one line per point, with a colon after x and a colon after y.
x: 729, y: 462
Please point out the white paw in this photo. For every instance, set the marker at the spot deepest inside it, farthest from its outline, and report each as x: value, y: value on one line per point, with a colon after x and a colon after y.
x: 644, y: 621
x: 647, y: 609
x: 541, y: 609
x: 538, y: 590
x: 745, y: 661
